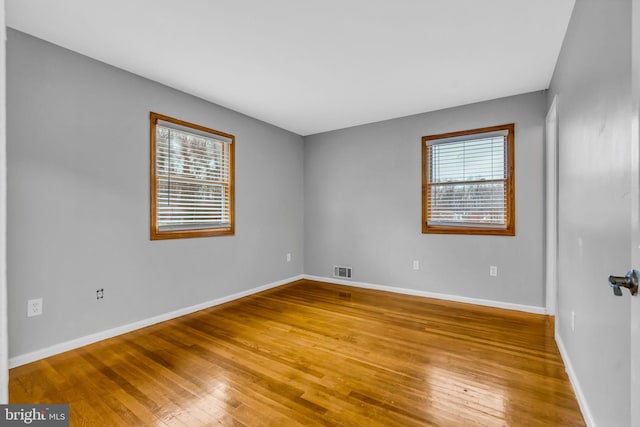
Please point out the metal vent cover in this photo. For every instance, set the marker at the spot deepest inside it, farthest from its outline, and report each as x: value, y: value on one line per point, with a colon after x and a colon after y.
x: 342, y: 271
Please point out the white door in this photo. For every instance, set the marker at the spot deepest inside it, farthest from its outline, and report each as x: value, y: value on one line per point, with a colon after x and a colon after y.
x: 635, y: 212
x: 635, y: 260
x: 551, y: 163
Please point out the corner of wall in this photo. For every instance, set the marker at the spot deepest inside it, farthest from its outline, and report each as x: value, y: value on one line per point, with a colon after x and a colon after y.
x: 573, y: 378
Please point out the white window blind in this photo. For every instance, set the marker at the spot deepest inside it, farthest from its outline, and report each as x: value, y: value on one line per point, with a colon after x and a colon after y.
x: 192, y: 179
x: 467, y: 182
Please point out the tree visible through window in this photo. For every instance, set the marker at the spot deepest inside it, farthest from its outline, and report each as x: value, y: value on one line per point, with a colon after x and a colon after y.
x: 191, y: 180
x: 468, y: 182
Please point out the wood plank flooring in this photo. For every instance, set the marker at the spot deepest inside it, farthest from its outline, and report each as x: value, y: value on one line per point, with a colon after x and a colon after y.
x: 312, y: 353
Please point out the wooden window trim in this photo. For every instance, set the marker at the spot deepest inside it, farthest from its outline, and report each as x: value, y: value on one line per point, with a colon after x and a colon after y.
x: 156, y: 234
x: 510, y: 214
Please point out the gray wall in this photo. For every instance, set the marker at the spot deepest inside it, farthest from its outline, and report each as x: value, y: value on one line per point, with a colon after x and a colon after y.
x: 593, y: 85
x: 78, y: 200
x: 363, y: 207
x: 4, y: 330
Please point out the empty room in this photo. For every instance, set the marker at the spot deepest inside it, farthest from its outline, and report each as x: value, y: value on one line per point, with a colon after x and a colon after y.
x: 340, y: 213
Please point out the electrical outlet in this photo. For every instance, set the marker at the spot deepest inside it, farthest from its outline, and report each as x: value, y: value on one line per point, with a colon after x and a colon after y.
x: 34, y: 307
x: 100, y: 293
x: 573, y: 321
x: 416, y: 264
x: 493, y: 270
x: 288, y: 257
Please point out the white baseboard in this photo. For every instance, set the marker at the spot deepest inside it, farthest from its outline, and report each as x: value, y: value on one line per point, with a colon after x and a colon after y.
x: 23, y: 359
x: 447, y: 297
x: 573, y: 378
x: 99, y: 336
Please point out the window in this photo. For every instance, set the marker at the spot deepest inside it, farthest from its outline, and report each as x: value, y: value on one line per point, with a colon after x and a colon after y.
x: 468, y: 182
x: 191, y: 180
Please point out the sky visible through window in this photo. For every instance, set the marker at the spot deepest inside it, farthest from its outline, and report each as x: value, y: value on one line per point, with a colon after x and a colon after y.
x: 473, y: 160
x: 468, y: 181
x: 192, y: 172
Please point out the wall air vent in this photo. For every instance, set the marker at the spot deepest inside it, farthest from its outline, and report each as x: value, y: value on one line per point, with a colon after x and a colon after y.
x: 342, y: 271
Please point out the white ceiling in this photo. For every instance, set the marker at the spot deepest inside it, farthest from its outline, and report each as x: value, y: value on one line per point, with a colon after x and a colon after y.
x: 311, y: 66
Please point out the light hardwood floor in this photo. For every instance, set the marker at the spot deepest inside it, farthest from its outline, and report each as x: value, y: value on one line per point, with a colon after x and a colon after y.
x: 312, y: 353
